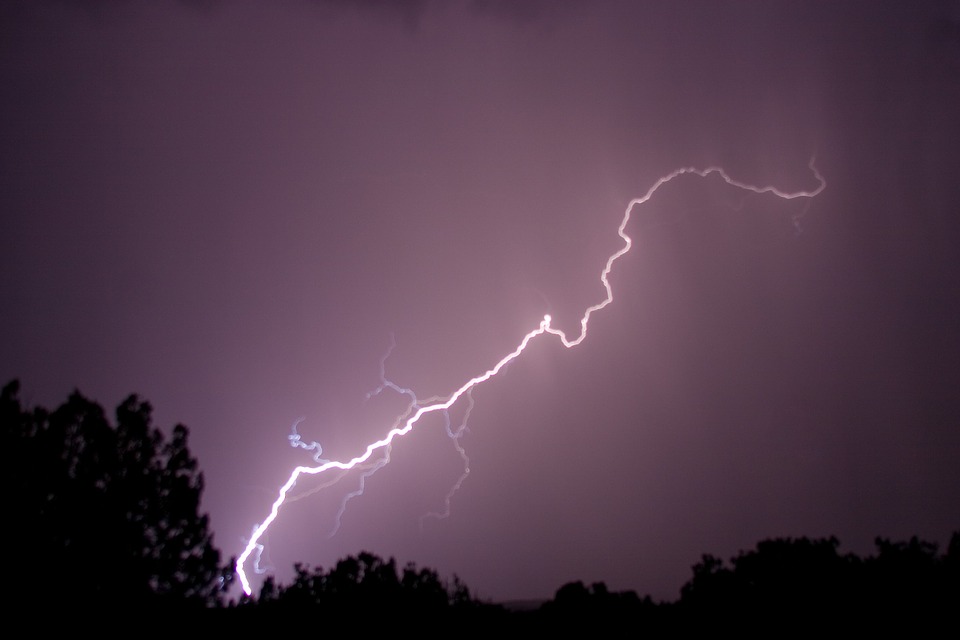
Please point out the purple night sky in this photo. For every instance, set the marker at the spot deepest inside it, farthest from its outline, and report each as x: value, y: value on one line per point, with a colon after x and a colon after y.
x: 229, y: 208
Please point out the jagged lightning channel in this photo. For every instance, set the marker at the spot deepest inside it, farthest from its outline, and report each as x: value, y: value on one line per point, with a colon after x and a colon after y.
x: 409, y: 419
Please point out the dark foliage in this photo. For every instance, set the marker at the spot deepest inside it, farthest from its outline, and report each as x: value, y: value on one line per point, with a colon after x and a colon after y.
x: 366, y: 593
x: 790, y: 584
x: 106, y: 517
x: 366, y: 581
x: 604, y: 610
x: 784, y: 586
x: 102, y: 517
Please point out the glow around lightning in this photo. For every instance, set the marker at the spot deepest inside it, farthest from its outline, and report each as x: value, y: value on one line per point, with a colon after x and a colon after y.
x: 409, y: 419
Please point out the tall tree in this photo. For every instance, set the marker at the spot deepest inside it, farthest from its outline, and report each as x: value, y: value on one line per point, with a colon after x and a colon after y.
x: 102, y: 516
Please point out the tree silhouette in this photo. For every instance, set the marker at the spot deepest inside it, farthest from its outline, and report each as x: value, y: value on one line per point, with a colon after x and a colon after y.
x: 106, y: 517
x: 365, y: 592
x: 102, y: 516
x: 787, y: 584
x: 366, y: 582
x: 910, y: 579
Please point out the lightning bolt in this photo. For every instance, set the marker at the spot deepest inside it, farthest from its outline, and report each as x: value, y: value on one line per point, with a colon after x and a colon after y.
x: 415, y: 411
x: 297, y: 442
x: 454, y: 435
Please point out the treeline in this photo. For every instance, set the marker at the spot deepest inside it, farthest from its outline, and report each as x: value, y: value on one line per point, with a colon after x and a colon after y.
x: 790, y: 584
x: 104, y: 517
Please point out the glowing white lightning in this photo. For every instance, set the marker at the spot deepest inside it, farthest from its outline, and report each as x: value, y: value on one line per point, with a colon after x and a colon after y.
x: 406, y: 422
